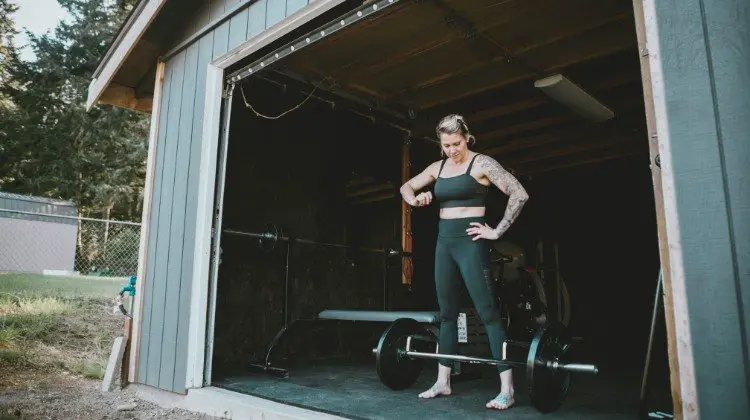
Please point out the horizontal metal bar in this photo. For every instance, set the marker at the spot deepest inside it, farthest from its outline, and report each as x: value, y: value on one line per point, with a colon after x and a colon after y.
x: 459, y: 358
x: 310, y: 38
x: 571, y: 367
x: 271, y: 237
x: 60, y: 216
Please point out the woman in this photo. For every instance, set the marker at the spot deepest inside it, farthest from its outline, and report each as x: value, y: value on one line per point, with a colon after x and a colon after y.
x: 462, y: 181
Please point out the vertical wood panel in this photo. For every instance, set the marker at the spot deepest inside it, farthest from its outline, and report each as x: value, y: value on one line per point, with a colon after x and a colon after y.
x: 203, y: 14
x: 275, y: 12
x: 294, y: 5
x: 164, y: 224
x: 256, y: 18
x: 148, y: 199
x: 178, y: 226
x: 216, y: 9
x: 237, y: 26
x: 153, y: 235
x: 728, y: 44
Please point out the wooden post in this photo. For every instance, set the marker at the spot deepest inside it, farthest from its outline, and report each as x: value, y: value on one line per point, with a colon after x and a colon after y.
x: 653, y: 144
x: 406, y: 237
x: 126, y: 352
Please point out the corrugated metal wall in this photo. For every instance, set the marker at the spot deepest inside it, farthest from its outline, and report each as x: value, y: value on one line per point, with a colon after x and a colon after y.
x: 33, y: 242
x: 706, y: 71
x: 32, y: 204
x: 166, y: 302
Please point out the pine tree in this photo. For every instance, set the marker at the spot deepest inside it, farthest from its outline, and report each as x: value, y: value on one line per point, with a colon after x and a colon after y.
x: 95, y: 159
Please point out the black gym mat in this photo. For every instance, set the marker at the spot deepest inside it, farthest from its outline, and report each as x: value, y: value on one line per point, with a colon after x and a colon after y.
x: 355, y: 391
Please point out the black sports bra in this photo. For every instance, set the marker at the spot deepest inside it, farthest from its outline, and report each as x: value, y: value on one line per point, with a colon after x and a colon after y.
x: 461, y: 190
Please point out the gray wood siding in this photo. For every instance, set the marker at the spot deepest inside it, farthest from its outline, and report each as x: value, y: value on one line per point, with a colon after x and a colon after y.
x: 253, y: 19
x: 705, y: 53
x: 166, y: 302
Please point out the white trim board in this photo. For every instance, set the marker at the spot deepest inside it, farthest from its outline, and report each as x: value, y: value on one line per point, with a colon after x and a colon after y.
x: 203, y: 225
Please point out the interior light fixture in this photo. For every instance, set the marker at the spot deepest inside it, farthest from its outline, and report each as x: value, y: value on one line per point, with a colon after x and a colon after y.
x: 561, y: 89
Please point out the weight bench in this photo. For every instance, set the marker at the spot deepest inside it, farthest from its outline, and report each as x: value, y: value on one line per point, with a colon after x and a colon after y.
x: 351, y: 315
x: 432, y: 318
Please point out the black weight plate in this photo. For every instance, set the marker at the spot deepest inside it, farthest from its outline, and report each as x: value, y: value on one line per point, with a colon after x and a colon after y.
x: 397, y: 371
x: 548, y: 387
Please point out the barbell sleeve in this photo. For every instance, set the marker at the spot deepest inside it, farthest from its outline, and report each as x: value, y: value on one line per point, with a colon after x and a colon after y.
x: 459, y: 358
x: 575, y: 367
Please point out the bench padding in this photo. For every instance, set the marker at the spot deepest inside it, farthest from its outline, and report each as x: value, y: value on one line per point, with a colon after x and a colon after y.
x: 379, y: 316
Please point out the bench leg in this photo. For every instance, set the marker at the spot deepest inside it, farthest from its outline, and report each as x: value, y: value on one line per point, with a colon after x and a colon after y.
x: 266, y: 363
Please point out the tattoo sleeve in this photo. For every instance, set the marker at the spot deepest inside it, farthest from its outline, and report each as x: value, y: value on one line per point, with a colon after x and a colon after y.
x: 507, y: 183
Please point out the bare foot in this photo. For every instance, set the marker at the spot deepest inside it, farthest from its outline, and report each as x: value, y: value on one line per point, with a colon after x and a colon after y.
x: 503, y: 401
x: 436, y: 390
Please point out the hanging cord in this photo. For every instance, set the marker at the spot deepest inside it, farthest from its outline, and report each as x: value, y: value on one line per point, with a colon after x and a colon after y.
x: 309, y: 95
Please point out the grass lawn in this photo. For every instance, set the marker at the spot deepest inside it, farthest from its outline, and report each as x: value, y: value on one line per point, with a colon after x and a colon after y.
x: 36, y: 285
x: 53, y: 322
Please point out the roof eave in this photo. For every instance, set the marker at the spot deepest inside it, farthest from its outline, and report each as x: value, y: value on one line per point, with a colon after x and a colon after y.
x: 127, y: 38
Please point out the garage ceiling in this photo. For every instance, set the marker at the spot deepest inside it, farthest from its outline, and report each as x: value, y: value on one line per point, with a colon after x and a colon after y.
x: 480, y: 58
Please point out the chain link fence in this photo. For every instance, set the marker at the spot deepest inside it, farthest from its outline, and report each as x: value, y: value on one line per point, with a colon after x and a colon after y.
x: 54, y: 244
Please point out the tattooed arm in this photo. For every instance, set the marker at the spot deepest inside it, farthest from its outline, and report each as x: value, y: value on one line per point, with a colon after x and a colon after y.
x: 507, y: 183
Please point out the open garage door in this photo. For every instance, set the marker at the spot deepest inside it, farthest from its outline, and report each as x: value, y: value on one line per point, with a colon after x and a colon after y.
x: 326, y: 127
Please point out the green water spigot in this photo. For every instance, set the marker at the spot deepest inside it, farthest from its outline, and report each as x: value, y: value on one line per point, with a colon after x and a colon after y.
x: 130, y: 287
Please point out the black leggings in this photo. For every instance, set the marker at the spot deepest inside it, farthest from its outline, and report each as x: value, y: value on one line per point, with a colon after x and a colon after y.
x: 457, y: 251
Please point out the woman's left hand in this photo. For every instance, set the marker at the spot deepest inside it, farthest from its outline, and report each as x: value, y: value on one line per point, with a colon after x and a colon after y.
x: 482, y: 231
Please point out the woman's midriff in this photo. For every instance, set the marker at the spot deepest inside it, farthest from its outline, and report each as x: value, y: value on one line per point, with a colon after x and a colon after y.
x: 461, y: 212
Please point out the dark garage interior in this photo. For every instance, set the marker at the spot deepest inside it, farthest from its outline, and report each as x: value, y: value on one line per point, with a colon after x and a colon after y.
x: 327, y: 167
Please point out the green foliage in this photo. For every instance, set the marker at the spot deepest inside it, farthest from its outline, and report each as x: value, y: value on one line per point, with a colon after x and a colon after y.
x: 49, y: 144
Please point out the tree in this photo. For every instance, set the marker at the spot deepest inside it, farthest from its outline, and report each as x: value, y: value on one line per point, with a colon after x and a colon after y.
x: 96, y: 159
x: 8, y: 53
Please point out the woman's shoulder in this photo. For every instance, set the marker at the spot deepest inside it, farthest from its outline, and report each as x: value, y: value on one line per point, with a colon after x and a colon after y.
x: 481, y: 160
x: 434, y: 167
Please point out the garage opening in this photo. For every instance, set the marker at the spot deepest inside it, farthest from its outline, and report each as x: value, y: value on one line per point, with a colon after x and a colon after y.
x: 318, y: 254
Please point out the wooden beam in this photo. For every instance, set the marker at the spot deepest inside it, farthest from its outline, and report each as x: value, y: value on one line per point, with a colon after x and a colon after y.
x: 125, y: 97
x: 568, y: 162
x: 407, y: 267
x: 522, y: 98
x: 538, y: 140
x: 653, y: 145
x: 526, y: 126
x: 394, y: 54
x: 582, y: 146
x: 482, y: 79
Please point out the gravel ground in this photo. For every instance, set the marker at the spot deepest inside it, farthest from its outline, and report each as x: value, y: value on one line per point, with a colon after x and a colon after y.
x: 26, y: 394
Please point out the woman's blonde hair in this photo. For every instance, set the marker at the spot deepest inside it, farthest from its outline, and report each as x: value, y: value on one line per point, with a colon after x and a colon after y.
x: 454, y: 123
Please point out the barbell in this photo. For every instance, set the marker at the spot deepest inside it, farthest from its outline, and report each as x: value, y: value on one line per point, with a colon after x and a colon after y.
x: 273, y: 234
x: 547, y: 368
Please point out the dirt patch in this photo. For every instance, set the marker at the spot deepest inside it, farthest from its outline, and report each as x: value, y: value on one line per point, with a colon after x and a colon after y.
x: 54, y: 348
x: 59, y: 394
